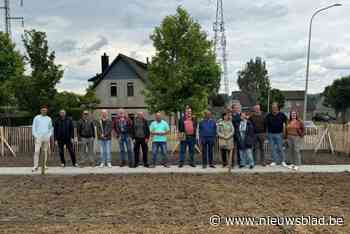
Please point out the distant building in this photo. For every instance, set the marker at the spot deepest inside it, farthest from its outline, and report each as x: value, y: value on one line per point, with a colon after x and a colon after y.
x: 120, y: 85
x: 294, y: 100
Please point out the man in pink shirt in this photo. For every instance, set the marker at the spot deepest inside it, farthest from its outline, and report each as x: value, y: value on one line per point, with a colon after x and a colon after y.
x: 187, y: 135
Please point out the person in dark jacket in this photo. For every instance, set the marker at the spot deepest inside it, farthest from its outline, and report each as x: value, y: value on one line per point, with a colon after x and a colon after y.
x: 236, y: 119
x: 258, y: 120
x: 86, y: 135
x: 187, y: 135
x: 122, y: 126
x: 245, y: 141
x: 207, y: 136
x: 64, y: 136
x: 140, y: 135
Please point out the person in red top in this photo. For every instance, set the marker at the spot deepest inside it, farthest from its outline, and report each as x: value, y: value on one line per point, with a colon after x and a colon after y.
x: 295, y: 133
x: 187, y: 136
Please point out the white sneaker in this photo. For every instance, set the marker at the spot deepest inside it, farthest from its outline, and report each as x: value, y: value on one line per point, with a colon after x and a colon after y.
x: 273, y: 164
x: 102, y: 165
x: 109, y: 165
x: 284, y: 164
x: 34, y: 169
x: 295, y: 168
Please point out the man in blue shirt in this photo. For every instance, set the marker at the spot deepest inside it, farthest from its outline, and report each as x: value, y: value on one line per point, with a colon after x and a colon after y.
x: 42, y: 131
x: 159, y: 130
x: 207, y: 136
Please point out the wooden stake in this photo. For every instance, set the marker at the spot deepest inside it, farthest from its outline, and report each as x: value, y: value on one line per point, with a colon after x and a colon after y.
x: 231, y: 152
x: 2, y: 142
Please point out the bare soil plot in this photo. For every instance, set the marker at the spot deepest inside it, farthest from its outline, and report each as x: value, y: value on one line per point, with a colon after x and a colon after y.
x: 169, y: 203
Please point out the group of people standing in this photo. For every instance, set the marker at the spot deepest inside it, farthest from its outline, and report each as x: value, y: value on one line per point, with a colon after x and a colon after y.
x: 237, y: 131
x: 129, y: 132
x: 243, y: 132
x: 253, y: 129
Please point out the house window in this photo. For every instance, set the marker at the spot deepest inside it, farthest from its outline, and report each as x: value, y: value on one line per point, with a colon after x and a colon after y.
x: 114, y: 92
x: 130, y: 89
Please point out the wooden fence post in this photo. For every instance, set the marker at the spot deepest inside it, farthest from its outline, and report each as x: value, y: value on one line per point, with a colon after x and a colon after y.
x: 347, y: 142
x: 2, y: 141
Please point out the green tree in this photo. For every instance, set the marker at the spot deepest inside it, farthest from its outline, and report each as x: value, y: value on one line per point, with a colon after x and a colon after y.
x: 40, y: 86
x: 184, y: 69
x: 66, y: 100
x: 312, y: 102
x: 90, y: 100
x: 253, y: 80
x: 337, y: 96
x: 11, y: 67
x: 277, y: 96
x: 69, y: 100
x: 74, y: 103
x: 219, y: 100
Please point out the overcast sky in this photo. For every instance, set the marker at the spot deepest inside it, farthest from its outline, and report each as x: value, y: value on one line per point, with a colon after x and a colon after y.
x: 276, y: 30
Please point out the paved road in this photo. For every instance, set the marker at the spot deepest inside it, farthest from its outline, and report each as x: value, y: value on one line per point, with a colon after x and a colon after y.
x: 174, y: 169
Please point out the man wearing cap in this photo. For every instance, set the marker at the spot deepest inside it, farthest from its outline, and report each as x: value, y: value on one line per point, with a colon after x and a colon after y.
x: 86, y: 135
x: 64, y: 136
x: 42, y: 131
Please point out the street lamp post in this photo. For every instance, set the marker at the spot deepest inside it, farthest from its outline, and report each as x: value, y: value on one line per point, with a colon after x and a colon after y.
x: 308, y: 55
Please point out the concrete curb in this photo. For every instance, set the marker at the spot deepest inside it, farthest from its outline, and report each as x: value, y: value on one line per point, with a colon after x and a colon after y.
x: 17, y: 171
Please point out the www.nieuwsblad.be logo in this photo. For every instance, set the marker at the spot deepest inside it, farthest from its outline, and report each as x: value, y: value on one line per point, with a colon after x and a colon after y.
x: 216, y: 220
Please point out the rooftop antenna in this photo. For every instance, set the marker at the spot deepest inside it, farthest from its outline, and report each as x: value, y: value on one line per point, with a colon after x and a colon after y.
x: 8, y: 18
x: 220, y: 44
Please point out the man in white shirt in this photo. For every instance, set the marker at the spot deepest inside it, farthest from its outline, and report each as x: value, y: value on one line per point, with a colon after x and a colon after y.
x: 42, y: 131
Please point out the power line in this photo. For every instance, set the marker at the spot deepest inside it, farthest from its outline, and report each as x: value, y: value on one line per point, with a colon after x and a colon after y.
x: 8, y: 18
x: 220, y: 45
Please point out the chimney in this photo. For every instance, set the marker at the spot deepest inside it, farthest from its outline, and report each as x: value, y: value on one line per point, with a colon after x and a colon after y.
x: 147, y: 59
x: 104, y: 62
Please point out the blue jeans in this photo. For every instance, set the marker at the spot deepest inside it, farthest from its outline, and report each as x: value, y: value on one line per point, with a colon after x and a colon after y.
x: 246, y: 156
x: 190, y: 141
x: 276, y: 142
x: 207, y: 150
x: 125, y: 147
x: 163, y: 150
x: 105, y: 146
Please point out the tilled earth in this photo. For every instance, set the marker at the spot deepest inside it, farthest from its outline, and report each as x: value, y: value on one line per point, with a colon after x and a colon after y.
x: 308, y: 157
x: 173, y: 203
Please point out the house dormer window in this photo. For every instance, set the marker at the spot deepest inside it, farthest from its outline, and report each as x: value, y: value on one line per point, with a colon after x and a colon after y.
x: 130, y: 89
x: 114, y: 90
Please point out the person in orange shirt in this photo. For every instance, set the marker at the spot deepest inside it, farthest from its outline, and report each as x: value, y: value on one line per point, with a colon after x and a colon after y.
x: 295, y: 134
